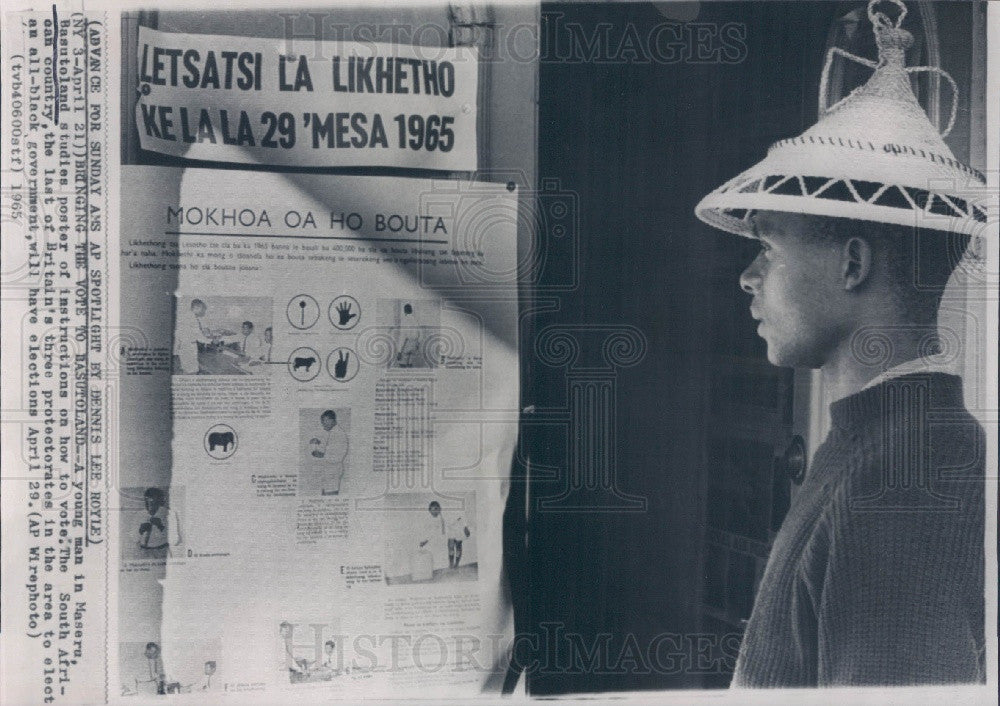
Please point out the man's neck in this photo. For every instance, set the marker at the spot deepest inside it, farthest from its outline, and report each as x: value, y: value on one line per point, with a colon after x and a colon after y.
x: 857, y: 362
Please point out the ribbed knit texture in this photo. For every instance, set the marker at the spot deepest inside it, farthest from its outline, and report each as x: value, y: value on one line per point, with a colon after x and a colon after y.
x: 876, y: 576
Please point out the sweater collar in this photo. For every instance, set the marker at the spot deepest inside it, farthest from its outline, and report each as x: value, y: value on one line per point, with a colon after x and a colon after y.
x: 939, y: 363
x: 863, y: 408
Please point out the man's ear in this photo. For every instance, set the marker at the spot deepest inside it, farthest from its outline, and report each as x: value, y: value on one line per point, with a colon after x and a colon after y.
x: 856, y: 263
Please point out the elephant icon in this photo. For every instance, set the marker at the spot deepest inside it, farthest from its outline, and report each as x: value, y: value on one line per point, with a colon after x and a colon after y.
x: 220, y: 441
x: 225, y: 439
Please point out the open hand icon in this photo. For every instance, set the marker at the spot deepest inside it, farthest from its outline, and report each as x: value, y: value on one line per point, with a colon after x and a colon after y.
x: 344, y: 312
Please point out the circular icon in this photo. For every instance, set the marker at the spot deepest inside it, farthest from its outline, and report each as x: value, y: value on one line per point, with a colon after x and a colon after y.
x: 344, y: 312
x: 221, y: 441
x: 302, y: 311
x: 342, y: 364
x: 303, y: 364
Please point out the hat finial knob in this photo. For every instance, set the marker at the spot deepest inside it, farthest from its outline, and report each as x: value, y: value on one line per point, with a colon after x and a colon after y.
x: 880, y: 19
x: 892, y: 40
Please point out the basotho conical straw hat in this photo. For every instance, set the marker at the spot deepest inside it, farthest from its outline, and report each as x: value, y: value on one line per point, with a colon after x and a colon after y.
x: 873, y: 156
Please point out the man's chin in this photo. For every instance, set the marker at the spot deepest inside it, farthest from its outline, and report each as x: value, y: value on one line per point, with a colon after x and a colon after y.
x: 778, y: 357
x: 784, y: 358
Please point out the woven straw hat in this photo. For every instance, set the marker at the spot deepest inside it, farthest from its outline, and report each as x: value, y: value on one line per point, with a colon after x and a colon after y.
x: 872, y: 156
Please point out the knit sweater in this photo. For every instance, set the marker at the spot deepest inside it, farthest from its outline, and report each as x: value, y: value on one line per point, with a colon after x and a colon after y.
x: 876, y: 575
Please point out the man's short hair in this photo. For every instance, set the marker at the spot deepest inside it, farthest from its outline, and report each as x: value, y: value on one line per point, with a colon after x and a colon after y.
x: 248, y: 323
x: 407, y: 309
x: 434, y: 503
x: 197, y: 302
x: 153, y: 494
x: 329, y: 414
x: 918, y: 261
x: 331, y: 643
x: 151, y: 645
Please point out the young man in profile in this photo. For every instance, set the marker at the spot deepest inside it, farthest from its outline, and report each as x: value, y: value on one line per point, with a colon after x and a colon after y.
x: 876, y: 576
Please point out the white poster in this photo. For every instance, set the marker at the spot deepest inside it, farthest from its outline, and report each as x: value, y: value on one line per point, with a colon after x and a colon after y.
x: 344, y: 402
x: 327, y: 104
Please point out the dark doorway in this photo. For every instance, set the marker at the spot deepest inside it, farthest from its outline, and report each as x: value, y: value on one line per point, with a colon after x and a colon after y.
x: 652, y: 594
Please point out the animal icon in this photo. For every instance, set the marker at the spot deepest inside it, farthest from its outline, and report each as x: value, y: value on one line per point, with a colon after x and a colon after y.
x: 225, y: 439
x: 302, y: 363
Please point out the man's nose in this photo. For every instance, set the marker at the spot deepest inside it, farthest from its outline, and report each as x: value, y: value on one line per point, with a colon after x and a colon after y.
x: 750, y: 278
